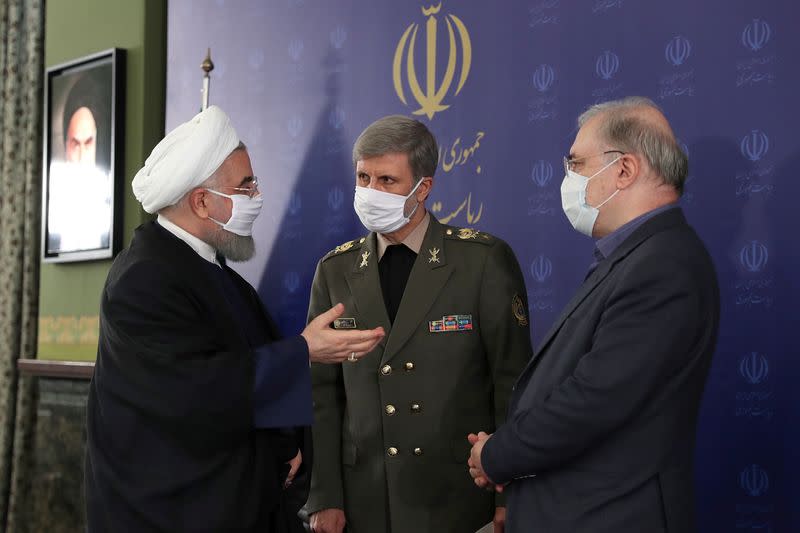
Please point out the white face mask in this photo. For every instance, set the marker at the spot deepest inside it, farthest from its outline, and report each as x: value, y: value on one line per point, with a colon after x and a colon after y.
x: 581, y: 215
x: 383, y: 212
x: 244, y: 212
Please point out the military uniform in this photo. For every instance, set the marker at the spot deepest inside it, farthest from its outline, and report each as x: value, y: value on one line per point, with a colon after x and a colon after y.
x: 390, y: 430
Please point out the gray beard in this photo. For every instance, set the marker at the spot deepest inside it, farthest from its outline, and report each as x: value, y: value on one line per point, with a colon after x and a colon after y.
x: 233, y: 247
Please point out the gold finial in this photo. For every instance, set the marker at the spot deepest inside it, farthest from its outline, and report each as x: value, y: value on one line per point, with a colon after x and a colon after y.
x: 207, y: 65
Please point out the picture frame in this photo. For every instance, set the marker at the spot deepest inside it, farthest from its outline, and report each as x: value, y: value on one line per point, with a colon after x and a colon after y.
x: 82, y: 190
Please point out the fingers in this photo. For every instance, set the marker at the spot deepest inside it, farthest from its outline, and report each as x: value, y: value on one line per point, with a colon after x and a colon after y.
x: 329, y: 316
x: 472, y: 438
x: 357, y: 335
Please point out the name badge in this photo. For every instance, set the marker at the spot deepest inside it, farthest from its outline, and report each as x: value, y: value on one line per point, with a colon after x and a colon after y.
x: 344, y: 323
x: 451, y: 323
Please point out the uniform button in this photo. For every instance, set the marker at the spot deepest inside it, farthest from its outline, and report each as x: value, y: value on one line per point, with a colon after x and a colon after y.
x: 409, y: 366
x: 390, y: 409
x: 417, y: 451
x: 416, y: 408
x: 386, y: 370
x: 392, y: 451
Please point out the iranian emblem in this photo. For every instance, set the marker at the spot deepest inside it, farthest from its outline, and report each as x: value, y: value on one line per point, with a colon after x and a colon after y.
x: 364, y: 259
x: 518, y: 308
x: 430, y: 99
x: 434, y: 258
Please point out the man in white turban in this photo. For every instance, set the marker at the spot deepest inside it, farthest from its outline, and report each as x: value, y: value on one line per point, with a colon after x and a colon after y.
x: 198, y: 409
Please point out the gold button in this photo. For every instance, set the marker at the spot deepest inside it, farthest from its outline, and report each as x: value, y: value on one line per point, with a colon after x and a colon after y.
x: 449, y: 232
x: 386, y: 370
x: 392, y: 451
x: 417, y: 451
x: 415, y: 408
x: 409, y: 366
x: 390, y: 409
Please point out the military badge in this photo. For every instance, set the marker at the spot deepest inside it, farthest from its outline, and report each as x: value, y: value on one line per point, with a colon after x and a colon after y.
x: 518, y: 308
x: 451, y: 323
x: 364, y: 259
x: 343, y: 247
x: 434, y: 258
x: 467, y: 233
x: 344, y: 323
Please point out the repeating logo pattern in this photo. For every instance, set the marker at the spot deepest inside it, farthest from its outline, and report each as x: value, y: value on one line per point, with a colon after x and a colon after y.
x: 336, y: 118
x: 338, y: 37
x: 335, y: 198
x: 754, y: 145
x: 754, y: 256
x: 756, y: 35
x: 431, y: 98
x: 542, y: 173
x: 754, y: 368
x: 607, y: 65
x: 296, y: 49
x: 543, y: 78
x: 295, y: 203
x: 754, y: 480
x: 541, y: 268
x: 678, y: 50
x: 291, y: 282
x: 294, y: 126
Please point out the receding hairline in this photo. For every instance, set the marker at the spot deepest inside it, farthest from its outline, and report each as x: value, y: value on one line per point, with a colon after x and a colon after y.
x: 642, y: 109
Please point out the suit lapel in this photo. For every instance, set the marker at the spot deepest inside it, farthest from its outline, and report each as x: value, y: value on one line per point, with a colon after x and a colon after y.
x: 656, y: 224
x: 585, y: 290
x: 365, y: 286
x: 425, y: 282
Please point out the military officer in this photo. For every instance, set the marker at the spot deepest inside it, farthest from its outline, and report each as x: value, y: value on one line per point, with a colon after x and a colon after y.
x: 390, y: 426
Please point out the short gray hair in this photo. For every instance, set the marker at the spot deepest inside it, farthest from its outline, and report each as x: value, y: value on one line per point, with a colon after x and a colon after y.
x: 625, y: 130
x: 399, y: 134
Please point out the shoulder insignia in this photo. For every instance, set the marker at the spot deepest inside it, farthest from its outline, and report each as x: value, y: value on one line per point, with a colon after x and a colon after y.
x: 518, y: 309
x: 468, y: 234
x: 345, y: 247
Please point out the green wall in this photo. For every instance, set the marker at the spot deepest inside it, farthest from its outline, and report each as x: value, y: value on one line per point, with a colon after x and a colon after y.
x: 70, y: 293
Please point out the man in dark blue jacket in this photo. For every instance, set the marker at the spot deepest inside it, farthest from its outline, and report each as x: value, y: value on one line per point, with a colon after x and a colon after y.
x: 601, y: 427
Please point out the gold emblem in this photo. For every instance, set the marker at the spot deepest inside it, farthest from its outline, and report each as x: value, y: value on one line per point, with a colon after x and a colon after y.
x: 518, y: 308
x: 434, y: 258
x: 467, y: 233
x: 344, y: 247
x: 430, y: 100
x: 364, y: 259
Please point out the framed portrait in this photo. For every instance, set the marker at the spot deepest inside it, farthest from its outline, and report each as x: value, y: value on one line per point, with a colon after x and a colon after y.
x: 82, y: 167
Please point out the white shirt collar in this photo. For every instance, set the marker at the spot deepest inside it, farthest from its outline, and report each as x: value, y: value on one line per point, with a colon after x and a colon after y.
x: 203, y: 249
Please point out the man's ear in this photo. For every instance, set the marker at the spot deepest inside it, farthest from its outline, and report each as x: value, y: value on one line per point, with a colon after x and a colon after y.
x: 424, y: 189
x: 198, y: 201
x: 629, y: 170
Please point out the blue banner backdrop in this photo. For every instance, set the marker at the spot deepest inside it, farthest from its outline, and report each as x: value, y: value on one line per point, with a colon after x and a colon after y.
x: 501, y: 84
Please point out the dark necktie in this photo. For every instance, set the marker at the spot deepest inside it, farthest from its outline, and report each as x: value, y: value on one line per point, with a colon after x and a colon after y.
x: 394, y: 268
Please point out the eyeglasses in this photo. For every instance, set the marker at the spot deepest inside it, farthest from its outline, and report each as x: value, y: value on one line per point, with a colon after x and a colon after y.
x: 251, y: 191
x: 569, y: 164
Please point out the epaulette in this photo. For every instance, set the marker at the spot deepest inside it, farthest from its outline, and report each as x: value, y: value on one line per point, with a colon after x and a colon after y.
x: 468, y: 234
x: 345, y: 247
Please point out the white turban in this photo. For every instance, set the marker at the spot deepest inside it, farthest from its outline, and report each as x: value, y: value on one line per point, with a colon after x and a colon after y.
x: 184, y: 159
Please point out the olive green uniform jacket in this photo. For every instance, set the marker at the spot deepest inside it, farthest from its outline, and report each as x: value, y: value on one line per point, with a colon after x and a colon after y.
x: 390, y: 430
